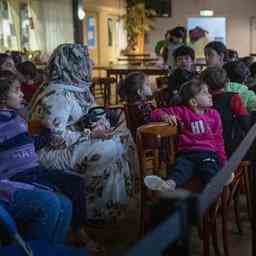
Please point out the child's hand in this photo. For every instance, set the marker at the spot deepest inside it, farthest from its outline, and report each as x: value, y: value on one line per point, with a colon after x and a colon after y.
x: 171, y: 119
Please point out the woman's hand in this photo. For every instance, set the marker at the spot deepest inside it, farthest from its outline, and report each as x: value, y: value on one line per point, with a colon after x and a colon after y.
x: 102, y: 134
x: 171, y: 119
x: 56, y: 142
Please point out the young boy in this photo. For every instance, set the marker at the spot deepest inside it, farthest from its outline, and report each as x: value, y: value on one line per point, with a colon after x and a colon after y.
x: 238, y: 73
x: 184, y: 58
x: 235, y: 118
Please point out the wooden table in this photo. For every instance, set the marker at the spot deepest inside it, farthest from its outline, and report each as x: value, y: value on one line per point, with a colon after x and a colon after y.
x: 135, y: 55
x: 140, y: 60
x: 120, y: 71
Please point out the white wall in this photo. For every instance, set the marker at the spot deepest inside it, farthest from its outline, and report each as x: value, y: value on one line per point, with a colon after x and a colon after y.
x: 237, y: 12
x: 53, y: 22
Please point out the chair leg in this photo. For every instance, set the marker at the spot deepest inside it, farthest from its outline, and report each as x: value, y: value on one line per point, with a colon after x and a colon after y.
x: 237, y: 215
x: 247, y: 193
x: 224, y: 198
x: 215, y: 237
x: 206, y: 235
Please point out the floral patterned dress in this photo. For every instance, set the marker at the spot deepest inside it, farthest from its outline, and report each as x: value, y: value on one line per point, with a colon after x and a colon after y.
x: 110, y: 167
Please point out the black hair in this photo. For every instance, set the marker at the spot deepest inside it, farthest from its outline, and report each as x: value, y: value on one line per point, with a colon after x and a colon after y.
x: 178, y: 77
x: 237, y: 71
x: 247, y: 60
x: 253, y: 69
x: 129, y: 87
x: 215, y: 77
x: 27, y: 68
x: 184, y: 50
x: 218, y: 46
x: 231, y: 55
x: 7, y: 79
x: 188, y: 91
x: 178, y: 32
x: 17, y: 57
x: 3, y: 58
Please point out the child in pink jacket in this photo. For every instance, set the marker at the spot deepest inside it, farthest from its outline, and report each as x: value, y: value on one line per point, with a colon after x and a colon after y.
x: 200, y: 144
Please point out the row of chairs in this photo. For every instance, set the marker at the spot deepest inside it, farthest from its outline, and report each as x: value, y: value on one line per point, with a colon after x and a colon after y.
x: 152, y: 162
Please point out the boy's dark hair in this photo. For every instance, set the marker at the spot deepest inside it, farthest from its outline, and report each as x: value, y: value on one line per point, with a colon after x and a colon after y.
x: 179, y: 77
x: 184, y: 50
x: 231, y: 55
x: 253, y: 69
x: 237, y: 71
x: 128, y: 88
x: 28, y: 69
x: 218, y: 46
x: 247, y: 60
x: 3, y: 58
x: 177, y: 32
x: 17, y: 57
x: 188, y: 91
x: 7, y: 80
x: 215, y: 77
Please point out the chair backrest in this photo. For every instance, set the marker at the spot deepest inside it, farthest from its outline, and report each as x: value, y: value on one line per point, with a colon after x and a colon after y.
x: 161, y: 97
x: 35, y: 127
x: 162, y: 82
x: 131, y: 121
x: 156, y: 143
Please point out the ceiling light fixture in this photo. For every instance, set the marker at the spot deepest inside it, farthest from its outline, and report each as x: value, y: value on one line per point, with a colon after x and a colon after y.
x: 206, y: 13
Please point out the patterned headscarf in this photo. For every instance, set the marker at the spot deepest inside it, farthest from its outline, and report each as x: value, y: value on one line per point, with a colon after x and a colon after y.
x: 70, y: 65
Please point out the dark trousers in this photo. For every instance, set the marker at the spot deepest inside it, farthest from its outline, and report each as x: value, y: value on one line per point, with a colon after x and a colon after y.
x: 68, y: 183
x: 204, y: 164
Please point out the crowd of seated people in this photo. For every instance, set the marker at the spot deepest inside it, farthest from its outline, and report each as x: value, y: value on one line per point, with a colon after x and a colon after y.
x: 90, y: 168
x: 226, y: 80
x: 89, y: 171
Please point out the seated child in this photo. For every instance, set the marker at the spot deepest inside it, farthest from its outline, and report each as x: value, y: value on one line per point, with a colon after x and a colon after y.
x: 200, y: 143
x: 19, y: 161
x: 231, y: 55
x: 238, y: 74
x: 234, y: 116
x: 215, y: 53
x: 7, y: 64
x: 134, y: 89
x: 30, y: 83
x: 184, y: 57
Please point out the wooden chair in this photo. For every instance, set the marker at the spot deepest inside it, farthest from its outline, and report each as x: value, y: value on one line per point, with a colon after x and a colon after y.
x: 35, y: 127
x: 162, y: 82
x: 104, y: 84
x: 161, y: 94
x: 229, y: 198
x: 151, y: 163
x: 149, y: 140
x: 161, y: 97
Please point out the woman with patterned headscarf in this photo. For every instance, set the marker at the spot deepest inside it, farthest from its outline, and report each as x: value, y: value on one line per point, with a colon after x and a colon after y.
x: 106, y: 159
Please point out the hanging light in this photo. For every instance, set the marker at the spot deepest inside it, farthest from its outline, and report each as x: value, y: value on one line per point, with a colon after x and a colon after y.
x: 80, y: 10
x: 80, y: 13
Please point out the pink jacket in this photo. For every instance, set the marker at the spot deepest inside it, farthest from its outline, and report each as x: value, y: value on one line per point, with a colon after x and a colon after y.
x: 198, y: 131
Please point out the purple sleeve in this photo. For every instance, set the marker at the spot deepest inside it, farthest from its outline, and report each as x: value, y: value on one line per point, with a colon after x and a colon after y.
x: 219, y: 142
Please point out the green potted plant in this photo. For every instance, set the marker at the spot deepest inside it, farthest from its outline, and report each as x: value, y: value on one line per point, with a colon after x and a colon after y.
x: 137, y: 20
